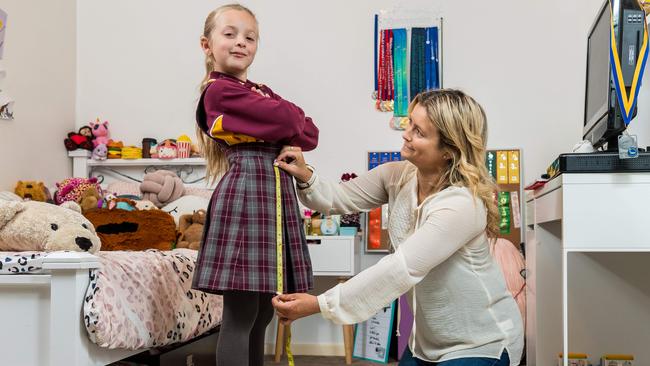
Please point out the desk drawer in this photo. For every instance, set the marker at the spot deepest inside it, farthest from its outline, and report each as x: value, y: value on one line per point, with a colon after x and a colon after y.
x: 332, y: 255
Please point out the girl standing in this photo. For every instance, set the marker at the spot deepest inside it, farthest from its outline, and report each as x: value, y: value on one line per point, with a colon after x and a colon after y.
x: 254, y: 227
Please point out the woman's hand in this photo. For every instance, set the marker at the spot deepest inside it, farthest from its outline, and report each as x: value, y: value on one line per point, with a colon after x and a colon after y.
x: 292, y: 161
x: 295, y: 306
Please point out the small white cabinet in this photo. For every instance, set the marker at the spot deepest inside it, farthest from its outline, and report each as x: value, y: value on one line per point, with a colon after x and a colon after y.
x: 334, y: 255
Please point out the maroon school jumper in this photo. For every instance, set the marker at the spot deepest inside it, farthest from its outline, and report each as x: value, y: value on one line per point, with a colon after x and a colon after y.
x: 238, y: 251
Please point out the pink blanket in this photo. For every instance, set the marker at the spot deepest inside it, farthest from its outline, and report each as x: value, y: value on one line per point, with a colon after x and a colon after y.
x: 139, y: 300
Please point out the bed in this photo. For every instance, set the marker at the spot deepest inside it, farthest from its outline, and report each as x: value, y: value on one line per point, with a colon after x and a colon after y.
x: 51, y: 301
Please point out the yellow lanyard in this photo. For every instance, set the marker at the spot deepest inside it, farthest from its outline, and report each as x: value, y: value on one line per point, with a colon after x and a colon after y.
x: 278, y: 226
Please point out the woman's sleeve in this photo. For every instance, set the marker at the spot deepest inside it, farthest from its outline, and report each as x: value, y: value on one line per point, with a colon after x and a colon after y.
x: 452, y: 223
x: 233, y: 107
x: 363, y: 193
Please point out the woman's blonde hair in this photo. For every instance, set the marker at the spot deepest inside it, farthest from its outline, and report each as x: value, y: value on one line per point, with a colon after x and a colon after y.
x: 216, y: 162
x: 462, y: 127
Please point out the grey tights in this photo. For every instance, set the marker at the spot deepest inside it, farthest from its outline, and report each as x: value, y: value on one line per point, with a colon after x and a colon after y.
x: 241, y: 336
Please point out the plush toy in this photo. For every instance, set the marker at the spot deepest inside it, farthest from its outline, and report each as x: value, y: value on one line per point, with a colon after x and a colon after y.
x: 100, y: 152
x: 145, y: 205
x: 121, y: 204
x: 40, y: 226
x: 191, y: 230
x: 74, y: 189
x: 185, y: 205
x: 89, y: 198
x: 133, y: 230
x: 100, y: 131
x: 161, y: 186
x: 167, y: 150
x: 114, y: 149
x: 32, y: 190
x: 82, y: 139
x: 184, y: 146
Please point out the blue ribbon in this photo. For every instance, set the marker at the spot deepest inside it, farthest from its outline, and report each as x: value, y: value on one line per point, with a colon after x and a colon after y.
x: 627, y: 102
x: 432, y: 79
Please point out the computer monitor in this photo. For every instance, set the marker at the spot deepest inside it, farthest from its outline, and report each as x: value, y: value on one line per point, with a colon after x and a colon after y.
x: 603, y: 121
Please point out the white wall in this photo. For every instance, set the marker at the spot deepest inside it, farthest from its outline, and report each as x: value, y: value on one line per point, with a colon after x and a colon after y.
x: 39, y: 56
x: 139, y: 65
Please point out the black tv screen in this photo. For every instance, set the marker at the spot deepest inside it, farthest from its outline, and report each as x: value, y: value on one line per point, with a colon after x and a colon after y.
x: 598, y: 68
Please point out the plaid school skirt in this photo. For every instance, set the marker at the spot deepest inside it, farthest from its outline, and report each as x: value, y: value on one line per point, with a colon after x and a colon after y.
x: 239, y: 248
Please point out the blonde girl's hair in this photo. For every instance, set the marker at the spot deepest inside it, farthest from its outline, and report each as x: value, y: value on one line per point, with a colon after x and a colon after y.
x: 462, y: 127
x: 216, y: 162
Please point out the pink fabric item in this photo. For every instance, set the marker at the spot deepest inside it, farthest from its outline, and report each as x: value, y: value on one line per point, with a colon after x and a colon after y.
x: 201, y: 192
x: 138, y: 300
x: 132, y: 188
x: 512, y: 264
x: 124, y: 188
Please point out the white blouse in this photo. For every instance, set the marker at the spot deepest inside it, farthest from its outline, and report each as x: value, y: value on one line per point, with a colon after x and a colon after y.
x: 458, y: 294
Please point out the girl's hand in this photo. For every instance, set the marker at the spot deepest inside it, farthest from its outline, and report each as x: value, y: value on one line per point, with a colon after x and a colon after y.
x: 291, y: 307
x: 292, y: 161
x: 259, y: 91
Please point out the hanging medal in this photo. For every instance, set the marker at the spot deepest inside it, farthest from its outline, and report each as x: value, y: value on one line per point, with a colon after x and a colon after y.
x: 627, y: 98
x: 400, y: 79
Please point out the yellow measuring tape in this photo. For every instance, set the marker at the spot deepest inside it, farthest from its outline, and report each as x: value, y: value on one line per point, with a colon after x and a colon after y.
x: 278, y: 239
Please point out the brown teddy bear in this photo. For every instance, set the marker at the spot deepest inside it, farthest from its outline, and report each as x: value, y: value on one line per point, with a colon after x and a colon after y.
x: 32, y: 190
x: 190, y: 228
x: 89, y: 199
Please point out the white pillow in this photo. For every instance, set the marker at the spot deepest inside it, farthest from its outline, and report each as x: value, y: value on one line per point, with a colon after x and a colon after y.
x: 9, y: 196
x: 185, y: 205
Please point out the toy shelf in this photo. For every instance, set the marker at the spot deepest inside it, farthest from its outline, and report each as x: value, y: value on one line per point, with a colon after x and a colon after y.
x: 79, y: 154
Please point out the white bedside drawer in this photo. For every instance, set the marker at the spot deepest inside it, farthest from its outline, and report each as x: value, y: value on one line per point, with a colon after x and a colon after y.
x: 333, y: 255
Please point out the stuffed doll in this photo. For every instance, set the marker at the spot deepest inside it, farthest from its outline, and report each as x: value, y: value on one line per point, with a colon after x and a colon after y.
x: 32, y: 190
x: 190, y: 230
x: 167, y: 150
x: 79, y: 140
x: 100, y: 131
x: 89, y: 199
x: 85, y: 192
x: 99, y: 152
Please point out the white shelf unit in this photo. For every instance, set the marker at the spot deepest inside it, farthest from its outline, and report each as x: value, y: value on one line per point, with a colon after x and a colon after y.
x: 587, y: 255
x: 141, y: 162
x: 191, y: 170
x: 82, y: 162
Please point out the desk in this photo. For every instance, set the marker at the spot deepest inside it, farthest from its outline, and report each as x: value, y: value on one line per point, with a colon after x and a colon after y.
x: 330, y: 256
x: 587, y: 255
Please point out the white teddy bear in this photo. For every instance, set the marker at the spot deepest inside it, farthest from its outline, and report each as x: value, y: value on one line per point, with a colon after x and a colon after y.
x: 40, y: 226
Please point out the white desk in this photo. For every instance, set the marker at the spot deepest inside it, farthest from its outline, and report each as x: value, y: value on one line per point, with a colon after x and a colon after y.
x: 587, y: 258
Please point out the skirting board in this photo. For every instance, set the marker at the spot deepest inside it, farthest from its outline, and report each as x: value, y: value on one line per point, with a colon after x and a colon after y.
x: 310, y: 349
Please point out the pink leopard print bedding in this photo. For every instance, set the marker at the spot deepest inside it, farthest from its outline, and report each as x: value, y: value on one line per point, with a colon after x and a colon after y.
x: 139, y: 300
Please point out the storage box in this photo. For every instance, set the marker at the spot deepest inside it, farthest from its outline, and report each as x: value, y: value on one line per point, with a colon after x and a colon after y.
x: 575, y: 359
x: 617, y: 360
x: 347, y: 231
